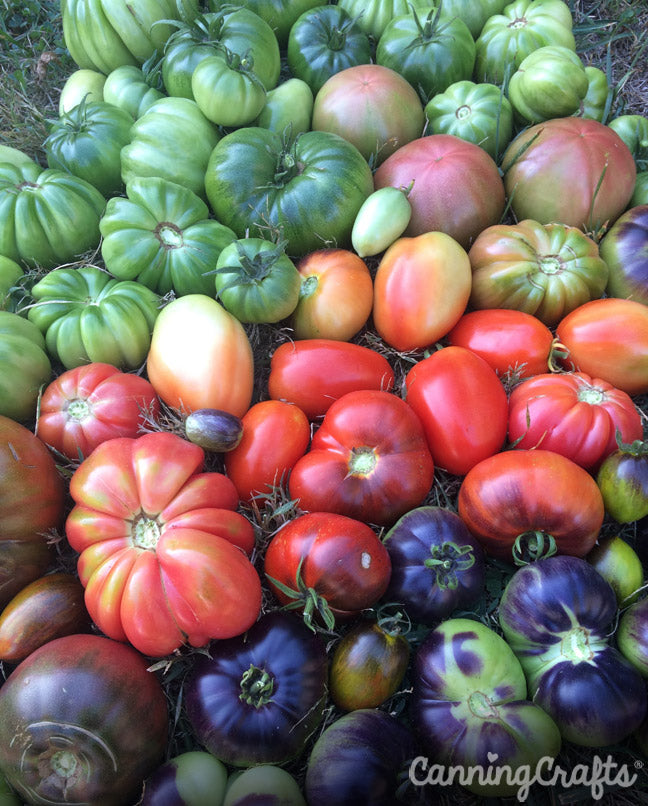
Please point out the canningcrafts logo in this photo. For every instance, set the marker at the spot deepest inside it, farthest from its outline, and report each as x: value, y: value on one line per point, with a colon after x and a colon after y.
x: 597, y: 776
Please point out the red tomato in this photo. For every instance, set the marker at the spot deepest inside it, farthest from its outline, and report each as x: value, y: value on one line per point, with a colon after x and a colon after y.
x: 162, y: 553
x: 336, y: 295
x: 457, y: 187
x: 572, y: 414
x: 275, y: 435
x: 90, y: 404
x: 332, y: 564
x: 312, y: 373
x: 514, y: 499
x: 371, y: 106
x: 509, y: 340
x: 368, y: 460
x: 462, y: 405
x: 421, y: 288
x: 608, y: 338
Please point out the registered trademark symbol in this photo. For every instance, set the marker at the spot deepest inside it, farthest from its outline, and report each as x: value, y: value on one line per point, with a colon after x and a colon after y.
x: 638, y: 764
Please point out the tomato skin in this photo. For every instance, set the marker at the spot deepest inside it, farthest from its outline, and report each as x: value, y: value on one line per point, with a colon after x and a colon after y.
x: 275, y: 436
x: 368, y: 460
x: 618, y: 563
x: 313, y: 373
x: 520, y: 491
x: 623, y: 480
x: 128, y: 88
x: 340, y: 558
x: 336, y: 295
x: 625, y: 250
x: 608, y: 338
x: 421, y: 289
x: 507, y: 339
x: 227, y: 93
x: 89, y: 404
x: 24, y: 366
x: 462, y: 405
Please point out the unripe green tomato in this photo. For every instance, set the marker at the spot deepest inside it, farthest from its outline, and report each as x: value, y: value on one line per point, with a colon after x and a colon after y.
x: 10, y: 273
x: 382, y: 219
x: 194, y: 778
x: 264, y: 784
x: 620, y: 564
x: 227, y: 91
x: 640, y: 193
x: 14, y: 156
x: 82, y: 83
x: 288, y: 105
x: 593, y: 104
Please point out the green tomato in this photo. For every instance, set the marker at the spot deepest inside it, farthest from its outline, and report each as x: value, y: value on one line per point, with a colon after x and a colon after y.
x: 158, y: 145
x: 279, y: 14
x: 550, y: 82
x: 87, y: 142
x: 10, y: 273
x: 307, y: 189
x: 623, y: 481
x: 478, y: 113
x: 472, y: 13
x: 640, y: 193
x: 595, y: 103
x: 131, y: 89
x: 373, y: 15
x: 288, y: 108
x: 87, y: 316
x: 430, y: 52
x: 620, y: 564
x: 47, y: 217
x: 24, y: 366
x: 633, y: 130
x: 324, y: 41
x: 263, y: 784
x: 161, y: 235
x: 82, y: 83
x: 194, y: 778
x: 382, y: 219
x: 14, y: 156
x: 522, y: 27
x: 256, y: 281
x: 227, y: 91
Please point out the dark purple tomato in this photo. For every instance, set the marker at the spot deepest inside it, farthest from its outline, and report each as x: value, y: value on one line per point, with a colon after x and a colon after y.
x: 624, y: 248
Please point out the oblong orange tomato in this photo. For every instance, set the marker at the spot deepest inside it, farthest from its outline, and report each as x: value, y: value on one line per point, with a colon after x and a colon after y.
x: 336, y: 295
x: 421, y: 289
x: 200, y: 357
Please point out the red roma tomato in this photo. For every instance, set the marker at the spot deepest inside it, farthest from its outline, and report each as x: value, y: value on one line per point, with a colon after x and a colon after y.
x: 523, y: 501
x: 313, y: 373
x: 162, y: 551
x: 327, y: 564
x: 457, y: 187
x: 275, y: 435
x: 336, y: 295
x: 368, y: 460
x: 200, y: 357
x: 572, y: 414
x: 507, y: 339
x: 462, y: 405
x: 32, y: 499
x: 371, y: 106
x: 421, y: 289
x: 608, y: 338
x: 92, y: 403
x: 573, y: 170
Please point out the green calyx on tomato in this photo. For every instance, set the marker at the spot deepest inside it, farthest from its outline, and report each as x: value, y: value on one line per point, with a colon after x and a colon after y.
x: 531, y: 546
x: 306, y: 599
x: 257, y: 686
x: 448, y: 559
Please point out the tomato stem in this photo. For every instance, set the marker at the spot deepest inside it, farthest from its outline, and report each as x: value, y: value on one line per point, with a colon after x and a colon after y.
x: 257, y: 687
x: 532, y: 546
x: 446, y: 560
x: 362, y: 461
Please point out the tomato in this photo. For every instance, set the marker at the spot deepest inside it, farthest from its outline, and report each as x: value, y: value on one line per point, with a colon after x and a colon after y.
x: 213, y: 429
x: 572, y: 414
x: 373, y: 15
x: 368, y: 665
x: 86, y: 315
x: 192, y: 778
x: 47, y: 608
x: 327, y: 566
x: 545, y: 270
x: 624, y: 248
x: 131, y: 89
x: 608, y: 339
x: 462, y: 405
x: 87, y: 405
x: 371, y: 106
x: 227, y: 91
x: 633, y: 130
x: 47, y: 217
x: 457, y: 188
x: 275, y: 436
x: 594, y: 104
x: 623, y: 481
x: 308, y: 189
x: 10, y: 275
x: 478, y: 113
x: 473, y: 14
x: 162, y: 551
x: 421, y: 289
x: 200, y: 357
x: 80, y: 84
x: 323, y: 41
x: 315, y: 372
x: 256, y: 280
x: 531, y: 500
x: 576, y: 171
x: 368, y: 460
x: 510, y: 340
x: 87, y: 141
x: 382, y: 219
x: 335, y: 297
x: 24, y: 366
x: 288, y: 107
x: 618, y: 563
x: 162, y: 236
x: 632, y: 636
x: 280, y: 15
x: 263, y: 780
x: 429, y: 48
x: 94, y: 747
x: 25, y: 519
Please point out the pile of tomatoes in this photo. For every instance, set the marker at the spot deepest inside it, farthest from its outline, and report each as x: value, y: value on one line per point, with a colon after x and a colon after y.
x: 324, y: 339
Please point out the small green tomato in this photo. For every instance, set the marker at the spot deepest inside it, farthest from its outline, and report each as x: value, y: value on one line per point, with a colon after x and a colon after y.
x: 382, y: 219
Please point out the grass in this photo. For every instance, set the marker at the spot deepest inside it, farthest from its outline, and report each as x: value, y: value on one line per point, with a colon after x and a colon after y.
x: 34, y: 65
